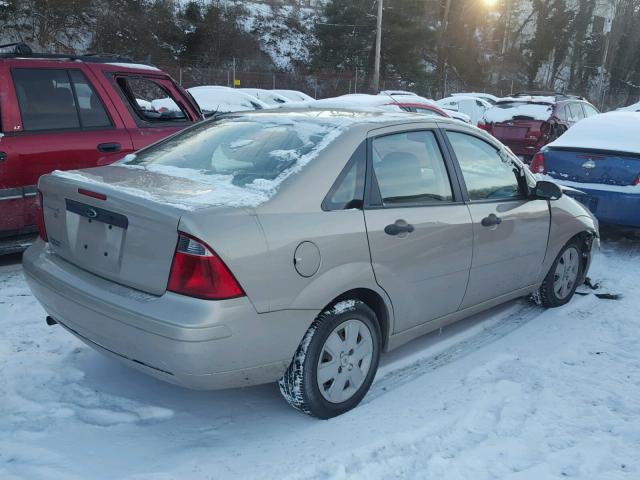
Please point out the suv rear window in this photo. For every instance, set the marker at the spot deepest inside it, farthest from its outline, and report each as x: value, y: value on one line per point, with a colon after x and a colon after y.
x: 57, y: 99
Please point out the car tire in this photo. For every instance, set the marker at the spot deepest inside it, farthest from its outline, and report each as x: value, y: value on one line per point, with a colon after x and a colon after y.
x: 335, y: 362
x: 562, y: 279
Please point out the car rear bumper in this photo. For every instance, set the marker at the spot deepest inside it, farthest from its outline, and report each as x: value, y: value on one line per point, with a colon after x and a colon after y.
x: 615, y: 208
x: 190, y: 342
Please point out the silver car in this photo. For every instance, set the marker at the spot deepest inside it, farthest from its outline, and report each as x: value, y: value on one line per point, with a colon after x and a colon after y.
x: 297, y: 246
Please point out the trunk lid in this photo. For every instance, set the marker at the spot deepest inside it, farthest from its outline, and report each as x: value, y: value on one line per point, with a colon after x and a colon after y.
x: 603, y: 167
x: 126, y: 235
x: 518, y: 129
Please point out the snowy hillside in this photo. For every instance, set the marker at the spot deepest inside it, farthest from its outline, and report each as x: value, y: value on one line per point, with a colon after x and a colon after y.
x: 515, y: 393
x: 285, y: 33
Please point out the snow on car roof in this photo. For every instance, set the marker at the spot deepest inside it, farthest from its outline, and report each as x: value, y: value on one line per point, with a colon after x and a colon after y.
x: 476, y: 95
x: 528, y: 98
x: 267, y: 96
x: 634, y: 107
x: 224, y: 99
x: 457, y: 98
x: 140, y: 66
x: 614, y: 131
x: 294, y: 95
x: 396, y: 92
x: 354, y: 100
x: 535, y: 108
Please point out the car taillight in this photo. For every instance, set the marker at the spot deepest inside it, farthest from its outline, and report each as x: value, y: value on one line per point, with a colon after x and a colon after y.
x: 42, y: 229
x: 198, y: 272
x: 637, y: 180
x: 483, y: 125
x: 537, y: 164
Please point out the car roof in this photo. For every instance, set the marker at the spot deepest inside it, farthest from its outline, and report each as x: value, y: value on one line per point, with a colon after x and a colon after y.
x: 358, y: 116
x: 23, y: 55
x: 104, y: 63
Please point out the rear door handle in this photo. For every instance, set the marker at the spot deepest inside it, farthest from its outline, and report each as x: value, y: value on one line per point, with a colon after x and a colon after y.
x: 109, y: 147
x: 3, y: 156
x: 491, y: 220
x: 399, y: 227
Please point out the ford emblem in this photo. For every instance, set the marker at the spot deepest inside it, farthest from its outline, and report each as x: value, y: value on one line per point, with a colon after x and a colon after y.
x: 91, y: 213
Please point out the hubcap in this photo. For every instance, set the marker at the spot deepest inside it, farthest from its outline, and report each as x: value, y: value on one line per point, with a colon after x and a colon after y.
x: 345, y: 361
x: 566, y: 273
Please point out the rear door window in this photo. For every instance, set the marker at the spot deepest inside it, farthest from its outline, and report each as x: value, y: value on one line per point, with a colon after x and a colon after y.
x: 46, y: 99
x: 151, y: 101
x: 589, y: 111
x: 90, y: 107
x: 575, y: 112
x: 57, y: 99
x: 410, y: 169
x: 487, y: 174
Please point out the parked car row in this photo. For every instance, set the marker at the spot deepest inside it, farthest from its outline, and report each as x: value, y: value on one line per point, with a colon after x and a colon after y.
x: 66, y: 112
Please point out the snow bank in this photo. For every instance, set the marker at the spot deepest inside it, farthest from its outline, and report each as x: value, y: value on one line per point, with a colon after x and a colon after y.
x: 518, y: 392
x: 616, y: 131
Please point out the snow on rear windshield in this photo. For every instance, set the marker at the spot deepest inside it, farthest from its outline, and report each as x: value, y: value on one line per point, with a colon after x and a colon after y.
x: 244, y: 159
x: 505, y: 111
x: 614, y: 131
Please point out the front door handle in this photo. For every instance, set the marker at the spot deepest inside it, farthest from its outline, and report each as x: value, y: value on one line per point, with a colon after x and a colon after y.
x: 399, y: 227
x: 3, y: 156
x: 491, y: 221
x: 109, y: 147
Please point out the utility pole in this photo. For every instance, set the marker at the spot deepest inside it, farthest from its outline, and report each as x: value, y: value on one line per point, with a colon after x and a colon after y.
x: 603, y: 65
x: 442, y: 58
x: 376, y: 65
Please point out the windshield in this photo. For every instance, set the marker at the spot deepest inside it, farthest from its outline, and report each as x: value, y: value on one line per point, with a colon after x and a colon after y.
x: 241, y: 149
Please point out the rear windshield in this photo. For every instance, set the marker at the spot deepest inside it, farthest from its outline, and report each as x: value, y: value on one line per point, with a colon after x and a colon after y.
x: 504, y: 111
x: 241, y: 150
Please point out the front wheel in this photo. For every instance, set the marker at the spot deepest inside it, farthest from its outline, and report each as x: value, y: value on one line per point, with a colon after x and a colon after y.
x: 562, y: 280
x: 336, y: 361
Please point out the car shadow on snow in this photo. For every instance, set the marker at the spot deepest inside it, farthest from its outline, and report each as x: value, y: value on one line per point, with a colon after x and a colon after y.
x: 252, y: 405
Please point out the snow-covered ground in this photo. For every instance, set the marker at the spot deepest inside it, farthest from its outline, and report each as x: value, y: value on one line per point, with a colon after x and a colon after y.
x: 514, y: 393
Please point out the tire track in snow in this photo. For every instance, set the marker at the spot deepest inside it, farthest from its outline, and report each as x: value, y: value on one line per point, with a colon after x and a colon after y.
x: 403, y: 375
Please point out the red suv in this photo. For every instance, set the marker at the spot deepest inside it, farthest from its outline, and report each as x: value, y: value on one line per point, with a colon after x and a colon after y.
x: 68, y: 112
x: 528, y: 121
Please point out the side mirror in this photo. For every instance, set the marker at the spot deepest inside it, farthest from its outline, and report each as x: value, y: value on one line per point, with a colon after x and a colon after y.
x: 547, y: 191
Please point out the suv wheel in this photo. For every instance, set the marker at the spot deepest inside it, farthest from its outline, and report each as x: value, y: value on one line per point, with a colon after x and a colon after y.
x: 562, y: 280
x: 336, y: 361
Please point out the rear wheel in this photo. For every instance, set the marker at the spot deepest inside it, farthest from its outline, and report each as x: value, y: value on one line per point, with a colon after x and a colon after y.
x: 562, y: 280
x: 336, y: 361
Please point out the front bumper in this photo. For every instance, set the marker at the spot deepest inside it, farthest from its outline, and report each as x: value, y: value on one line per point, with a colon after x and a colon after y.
x: 190, y: 342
